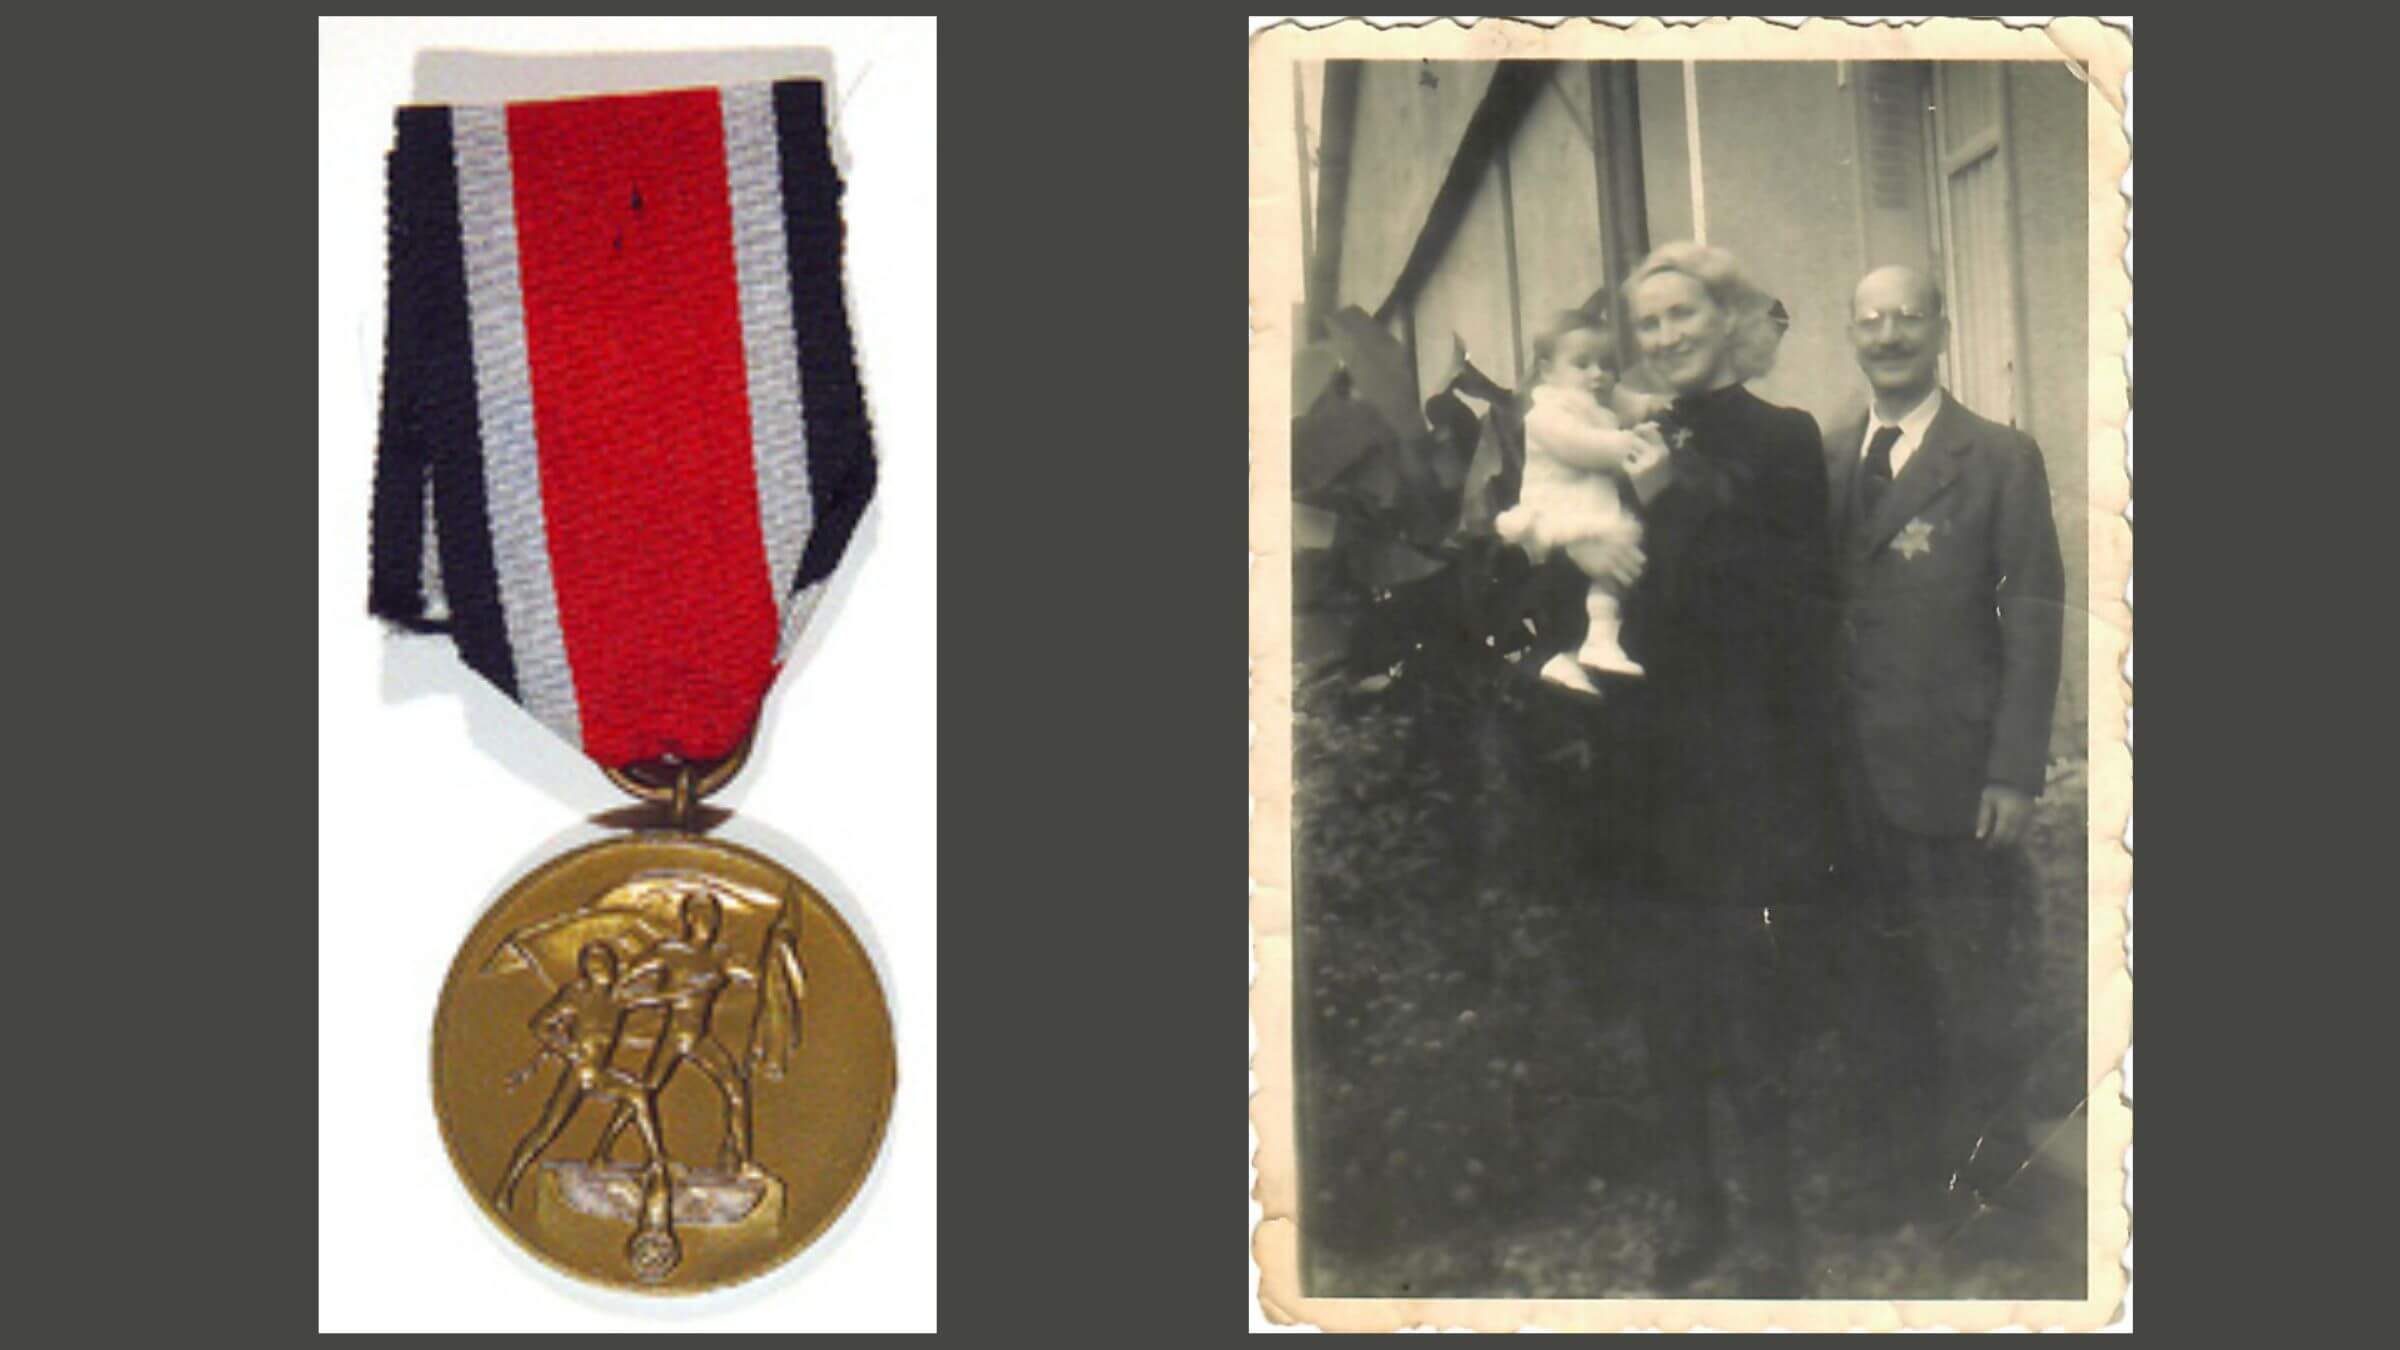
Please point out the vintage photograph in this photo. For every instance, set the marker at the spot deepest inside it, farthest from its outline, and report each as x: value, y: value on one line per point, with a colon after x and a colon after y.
x: 1685, y: 528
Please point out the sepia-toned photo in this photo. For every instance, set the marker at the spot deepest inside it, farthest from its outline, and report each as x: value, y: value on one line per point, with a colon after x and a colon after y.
x: 1689, y: 650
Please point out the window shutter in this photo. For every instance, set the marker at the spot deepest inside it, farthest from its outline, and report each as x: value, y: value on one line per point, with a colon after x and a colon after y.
x: 1894, y: 93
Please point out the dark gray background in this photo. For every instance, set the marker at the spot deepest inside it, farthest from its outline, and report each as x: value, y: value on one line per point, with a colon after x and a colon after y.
x: 160, y: 665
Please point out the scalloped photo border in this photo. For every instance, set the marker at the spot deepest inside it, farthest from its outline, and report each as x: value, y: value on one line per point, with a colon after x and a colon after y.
x: 2103, y: 56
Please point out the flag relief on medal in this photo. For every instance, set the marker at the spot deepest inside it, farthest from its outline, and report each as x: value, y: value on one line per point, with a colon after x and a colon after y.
x: 663, y: 1062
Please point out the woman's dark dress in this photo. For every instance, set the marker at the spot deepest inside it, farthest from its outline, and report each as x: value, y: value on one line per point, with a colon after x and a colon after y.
x: 1721, y: 779
x: 1734, y: 618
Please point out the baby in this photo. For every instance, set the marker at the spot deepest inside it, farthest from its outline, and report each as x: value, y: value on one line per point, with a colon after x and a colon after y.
x: 1576, y: 451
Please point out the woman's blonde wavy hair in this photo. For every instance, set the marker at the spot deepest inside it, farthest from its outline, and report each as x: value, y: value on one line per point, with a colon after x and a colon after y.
x: 1752, y: 334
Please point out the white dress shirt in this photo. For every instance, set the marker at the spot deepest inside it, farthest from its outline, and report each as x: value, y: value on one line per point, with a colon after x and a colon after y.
x: 1912, y: 426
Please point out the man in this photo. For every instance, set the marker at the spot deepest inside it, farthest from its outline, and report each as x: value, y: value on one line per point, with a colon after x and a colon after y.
x: 685, y: 976
x: 580, y: 1027
x: 1952, y: 597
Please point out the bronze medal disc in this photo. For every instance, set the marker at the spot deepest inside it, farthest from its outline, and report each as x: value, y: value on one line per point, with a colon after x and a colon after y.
x: 663, y: 1062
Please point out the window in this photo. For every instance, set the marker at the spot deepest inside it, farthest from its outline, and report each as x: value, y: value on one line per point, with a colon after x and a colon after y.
x: 1972, y: 193
x: 1935, y: 190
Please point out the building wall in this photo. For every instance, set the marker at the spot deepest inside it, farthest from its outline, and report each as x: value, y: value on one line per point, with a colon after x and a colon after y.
x: 1549, y: 207
x: 1466, y: 295
x: 1408, y: 132
x: 1557, y: 192
x: 1666, y: 162
x: 1780, y: 189
x: 2048, y: 134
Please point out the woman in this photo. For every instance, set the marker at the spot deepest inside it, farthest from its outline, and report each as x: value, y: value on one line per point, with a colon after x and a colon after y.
x: 1729, y: 795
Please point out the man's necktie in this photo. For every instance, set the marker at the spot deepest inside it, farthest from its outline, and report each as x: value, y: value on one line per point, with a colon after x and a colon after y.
x: 1878, y: 478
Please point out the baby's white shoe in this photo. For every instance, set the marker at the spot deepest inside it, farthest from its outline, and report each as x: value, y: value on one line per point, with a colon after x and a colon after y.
x: 1564, y: 670
x: 1609, y: 657
x: 1601, y: 650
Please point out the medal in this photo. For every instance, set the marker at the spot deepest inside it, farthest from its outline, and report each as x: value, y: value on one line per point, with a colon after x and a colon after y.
x: 622, y: 448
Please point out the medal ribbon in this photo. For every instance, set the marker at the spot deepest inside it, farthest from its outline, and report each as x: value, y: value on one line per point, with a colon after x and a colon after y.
x: 622, y: 441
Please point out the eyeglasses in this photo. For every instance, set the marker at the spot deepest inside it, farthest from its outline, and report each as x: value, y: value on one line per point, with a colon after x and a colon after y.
x: 1908, y: 320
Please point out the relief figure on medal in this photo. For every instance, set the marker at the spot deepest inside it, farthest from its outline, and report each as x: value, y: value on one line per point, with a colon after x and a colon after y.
x: 640, y: 978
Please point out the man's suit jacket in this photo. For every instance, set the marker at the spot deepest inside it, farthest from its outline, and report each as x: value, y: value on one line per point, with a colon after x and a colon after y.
x: 1952, y: 610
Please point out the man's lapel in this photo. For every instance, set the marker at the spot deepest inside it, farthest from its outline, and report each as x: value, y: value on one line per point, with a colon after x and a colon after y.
x: 1841, y: 471
x: 1933, y: 467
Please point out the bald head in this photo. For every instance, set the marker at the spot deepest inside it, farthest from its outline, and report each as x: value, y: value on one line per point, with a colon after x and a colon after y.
x: 1898, y: 331
x: 1896, y: 288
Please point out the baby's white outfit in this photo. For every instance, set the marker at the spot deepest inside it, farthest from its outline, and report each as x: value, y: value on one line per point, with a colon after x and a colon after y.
x: 1569, y: 500
x: 1562, y: 503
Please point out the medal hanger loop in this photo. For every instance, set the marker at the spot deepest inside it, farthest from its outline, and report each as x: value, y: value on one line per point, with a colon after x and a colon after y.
x: 691, y: 781
x: 679, y: 814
